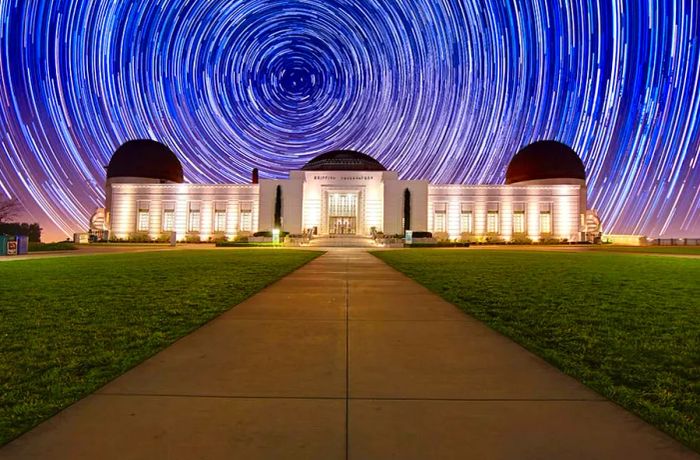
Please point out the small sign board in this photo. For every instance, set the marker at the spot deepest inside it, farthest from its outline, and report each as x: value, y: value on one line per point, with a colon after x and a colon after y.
x: 409, y: 237
x: 12, y: 248
x: 275, y: 236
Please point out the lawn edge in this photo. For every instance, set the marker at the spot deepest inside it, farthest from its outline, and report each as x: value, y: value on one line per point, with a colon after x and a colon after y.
x: 525, y: 346
x: 318, y: 253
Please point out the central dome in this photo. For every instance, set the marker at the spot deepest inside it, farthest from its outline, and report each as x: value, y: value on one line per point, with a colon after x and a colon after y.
x: 343, y: 160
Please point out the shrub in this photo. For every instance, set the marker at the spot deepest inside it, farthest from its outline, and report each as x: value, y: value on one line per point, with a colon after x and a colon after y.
x: 268, y: 234
x: 60, y: 246
x: 521, y: 239
x: 139, y: 237
x: 440, y: 236
x: 466, y: 237
x: 421, y: 245
x: 240, y: 244
x: 552, y: 240
x: 164, y: 237
x: 218, y: 238
x: 494, y: 239
x: 442, y: 244
x: 33, y: 231
x: 193, y: 237
x: 420, y: 235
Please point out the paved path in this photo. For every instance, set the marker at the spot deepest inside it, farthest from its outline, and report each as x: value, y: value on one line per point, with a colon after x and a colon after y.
x: 345, y: 358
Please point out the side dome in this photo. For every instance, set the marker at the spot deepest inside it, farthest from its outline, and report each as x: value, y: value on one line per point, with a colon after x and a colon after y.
x: 545, y: 160
x: 343, y: 160
x: 145, y: 158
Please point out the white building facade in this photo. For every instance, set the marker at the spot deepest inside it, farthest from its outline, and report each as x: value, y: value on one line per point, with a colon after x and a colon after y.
x: 347, y: 193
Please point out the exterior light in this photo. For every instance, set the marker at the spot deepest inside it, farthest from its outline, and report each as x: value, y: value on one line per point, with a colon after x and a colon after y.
x: 275, y: 236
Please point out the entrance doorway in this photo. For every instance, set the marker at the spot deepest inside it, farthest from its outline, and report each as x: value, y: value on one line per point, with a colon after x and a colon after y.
x: 342, y: 213
x: 342, y: 226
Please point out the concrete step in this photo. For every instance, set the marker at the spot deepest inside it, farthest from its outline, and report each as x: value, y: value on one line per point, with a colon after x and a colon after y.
x: 342, y: 241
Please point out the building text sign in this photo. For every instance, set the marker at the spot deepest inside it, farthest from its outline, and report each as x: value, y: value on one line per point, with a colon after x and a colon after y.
x: 335, y: 178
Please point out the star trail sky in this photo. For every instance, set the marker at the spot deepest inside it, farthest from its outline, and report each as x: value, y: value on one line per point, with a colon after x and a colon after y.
x: 446, y: 90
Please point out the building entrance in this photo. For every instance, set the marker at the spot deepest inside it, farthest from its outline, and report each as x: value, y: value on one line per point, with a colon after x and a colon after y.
x: 342, y: 226
x: 342, y: 213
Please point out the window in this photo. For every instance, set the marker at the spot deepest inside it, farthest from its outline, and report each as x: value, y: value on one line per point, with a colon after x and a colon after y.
x: 545, y: 218
x: 466, y: 222
x: 220, y: 217
x: 440, y: 217
x: 492, y: 217
x: 342, y: 205
x: 143, y: 217
x: 466, y: 219
x: 440, y: 221
x: 169, y: 217
x: 518, y: 222
x: 492, y: 222
x: 545, y: 222
x: 246, y: 217
x: 194, y: 218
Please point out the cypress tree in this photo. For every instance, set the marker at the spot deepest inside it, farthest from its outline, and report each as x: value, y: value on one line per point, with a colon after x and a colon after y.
x: 278, y: 207
x: 407, y: 209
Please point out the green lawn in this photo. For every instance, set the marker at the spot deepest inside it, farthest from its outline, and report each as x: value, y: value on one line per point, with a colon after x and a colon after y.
x: 626, y: 325
x: 687, y: 250
x: 69, y: 325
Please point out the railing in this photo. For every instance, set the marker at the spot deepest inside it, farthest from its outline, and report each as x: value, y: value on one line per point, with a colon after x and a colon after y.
x: 676, y: 242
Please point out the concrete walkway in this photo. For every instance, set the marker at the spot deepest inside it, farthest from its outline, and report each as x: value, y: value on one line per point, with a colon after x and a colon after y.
x: 345, y: 358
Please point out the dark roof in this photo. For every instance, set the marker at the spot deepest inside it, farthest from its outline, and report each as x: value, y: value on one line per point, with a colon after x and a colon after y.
x: 145, y: 158
x: 545, y: 160
x: 343, y: 160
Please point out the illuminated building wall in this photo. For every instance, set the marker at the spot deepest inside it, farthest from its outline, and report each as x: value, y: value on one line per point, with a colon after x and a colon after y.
x: 563, y: 200
x: 188, y: 200
x: 551, y: 208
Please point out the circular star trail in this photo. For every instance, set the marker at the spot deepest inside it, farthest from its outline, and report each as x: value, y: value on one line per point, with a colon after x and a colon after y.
x: 445, y: 90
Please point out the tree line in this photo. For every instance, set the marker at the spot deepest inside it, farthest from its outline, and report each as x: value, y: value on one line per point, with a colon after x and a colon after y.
x: 9, y: 210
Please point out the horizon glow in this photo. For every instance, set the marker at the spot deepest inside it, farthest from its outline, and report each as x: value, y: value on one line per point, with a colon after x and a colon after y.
x: 444, y: 90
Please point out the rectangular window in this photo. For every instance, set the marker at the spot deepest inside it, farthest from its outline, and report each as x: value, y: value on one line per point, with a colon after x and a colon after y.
x: 545, y: 222
x: 518, y: 222
x: 220, y: 221
x: 194, y: 218
x: 220, y: 217
x: 466, y: 218
x: 545, y: 218
x: 466, y: 222
x: 168, y: 217
x: 246, y: 217
x: 143, y: 216
x: 492, y: 222
x: 440, y: 217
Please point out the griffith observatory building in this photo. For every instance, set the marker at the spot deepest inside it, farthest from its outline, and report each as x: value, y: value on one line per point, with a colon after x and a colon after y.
x: 345, y: 192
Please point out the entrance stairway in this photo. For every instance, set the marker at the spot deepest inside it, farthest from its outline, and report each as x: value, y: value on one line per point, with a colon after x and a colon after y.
x: 346, y: 241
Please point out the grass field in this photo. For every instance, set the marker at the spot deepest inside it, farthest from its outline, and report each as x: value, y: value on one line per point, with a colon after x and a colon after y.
x: 69, y: 325
x: 676, y: 250
x: 628, y: 326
